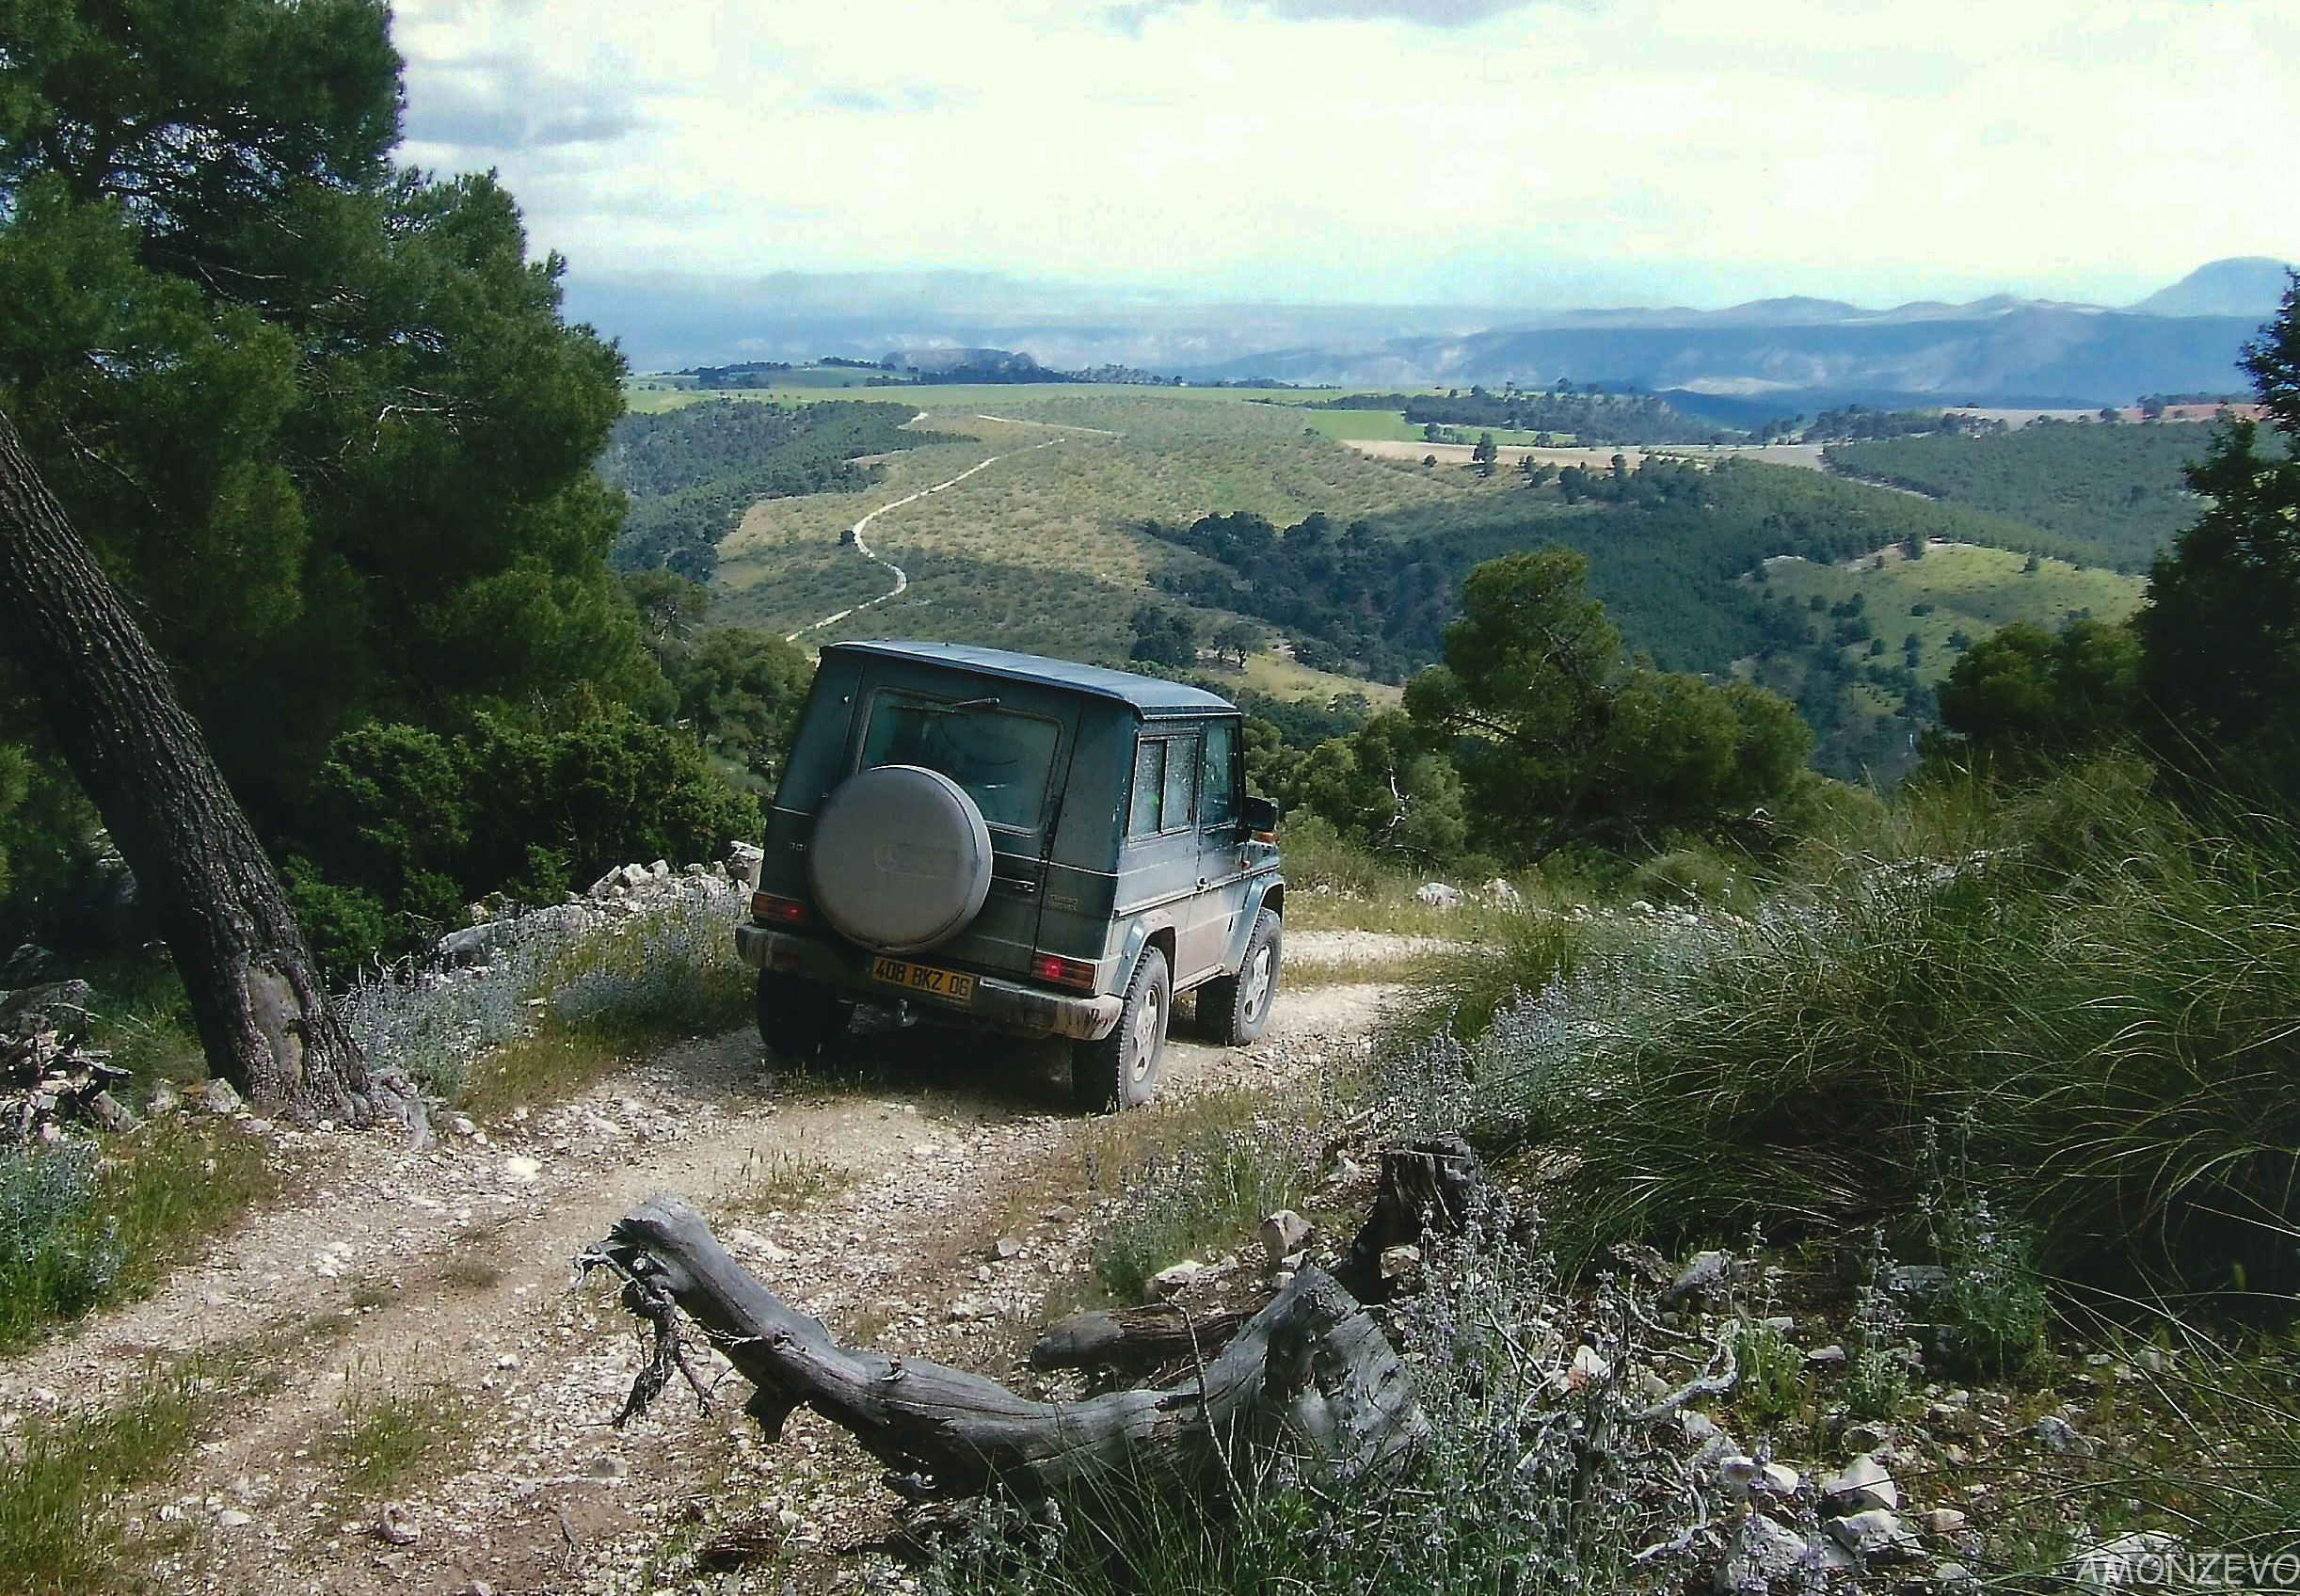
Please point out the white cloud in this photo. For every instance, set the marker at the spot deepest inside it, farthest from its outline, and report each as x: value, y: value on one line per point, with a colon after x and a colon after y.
x: 1405, y: 149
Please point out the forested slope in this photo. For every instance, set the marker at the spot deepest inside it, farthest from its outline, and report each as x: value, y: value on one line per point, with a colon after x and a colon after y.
x: 2111, y: 495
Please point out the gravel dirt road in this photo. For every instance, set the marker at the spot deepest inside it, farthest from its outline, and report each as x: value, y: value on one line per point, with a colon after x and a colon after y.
x: 874, y: 1196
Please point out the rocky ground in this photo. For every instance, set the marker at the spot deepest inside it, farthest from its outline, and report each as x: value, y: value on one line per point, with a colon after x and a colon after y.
x: 925, y: 1195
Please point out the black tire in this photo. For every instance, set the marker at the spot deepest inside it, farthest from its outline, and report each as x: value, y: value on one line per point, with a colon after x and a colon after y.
x: 1120, y: 1070
x: 798, y: 1017
x: 1234, y: 1009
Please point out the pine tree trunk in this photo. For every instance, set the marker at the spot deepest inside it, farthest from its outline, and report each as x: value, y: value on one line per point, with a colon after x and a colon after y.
x: 261, y: 1005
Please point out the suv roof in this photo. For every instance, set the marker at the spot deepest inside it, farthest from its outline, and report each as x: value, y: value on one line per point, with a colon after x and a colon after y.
x: 1147, y: 694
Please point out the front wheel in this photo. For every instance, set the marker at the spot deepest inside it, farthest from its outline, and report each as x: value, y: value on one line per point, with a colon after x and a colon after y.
x: 798, y: 1017
x: 1234, y: 1009
x: 1120, y: 1070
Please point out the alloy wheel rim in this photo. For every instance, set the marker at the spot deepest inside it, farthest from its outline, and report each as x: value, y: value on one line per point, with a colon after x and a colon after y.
x: 1146, y: 1032
x: 1258, y: 982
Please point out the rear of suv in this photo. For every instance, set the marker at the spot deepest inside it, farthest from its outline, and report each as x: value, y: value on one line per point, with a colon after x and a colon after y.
x: 1021, y: 845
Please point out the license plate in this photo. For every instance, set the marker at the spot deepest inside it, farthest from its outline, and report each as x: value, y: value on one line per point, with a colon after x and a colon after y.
x: 956, y: 985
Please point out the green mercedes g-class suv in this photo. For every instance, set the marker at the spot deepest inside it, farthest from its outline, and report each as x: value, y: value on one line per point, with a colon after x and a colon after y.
x: 1017, y: 844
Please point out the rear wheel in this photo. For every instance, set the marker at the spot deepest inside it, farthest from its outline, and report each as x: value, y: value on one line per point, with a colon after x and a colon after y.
x: 1120, y: 1070
x: 798, y: 1017
x: 1234, y: 1009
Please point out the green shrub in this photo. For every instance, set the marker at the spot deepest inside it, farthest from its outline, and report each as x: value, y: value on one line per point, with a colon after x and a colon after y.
x: 1987, y: 1319
x: 407, y: 827
x: 81, y: 1226
x: 1205, y: 1172
x: 1690, y: 875
x: 58, y: 1254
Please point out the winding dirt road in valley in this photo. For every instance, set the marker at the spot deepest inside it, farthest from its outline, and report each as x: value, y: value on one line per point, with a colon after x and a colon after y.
x: 902, y: 579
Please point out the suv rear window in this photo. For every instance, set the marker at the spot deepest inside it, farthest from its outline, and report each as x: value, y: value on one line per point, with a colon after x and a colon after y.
x: 1002, y: 759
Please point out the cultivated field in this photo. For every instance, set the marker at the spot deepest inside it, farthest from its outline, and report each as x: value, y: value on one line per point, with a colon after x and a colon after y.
x: 1041, y: 549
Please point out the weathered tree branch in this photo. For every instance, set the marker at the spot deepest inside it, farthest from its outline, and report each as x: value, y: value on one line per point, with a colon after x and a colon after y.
x: 1310, y: 1375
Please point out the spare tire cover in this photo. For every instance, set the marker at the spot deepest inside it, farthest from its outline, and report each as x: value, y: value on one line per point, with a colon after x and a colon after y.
x: 900, y: 860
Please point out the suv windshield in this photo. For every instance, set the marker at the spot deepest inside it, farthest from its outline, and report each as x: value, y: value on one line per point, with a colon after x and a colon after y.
x: 1000, y: 758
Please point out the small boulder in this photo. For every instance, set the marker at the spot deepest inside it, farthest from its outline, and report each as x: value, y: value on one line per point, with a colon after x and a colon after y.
x: 1862, y: 1484
x: 1438, y: 895
x: 219, y: 1098
x: 1401, y: 1264
x: 1764, y: 1554
x: 1588, y: 1368
x: 1704, y: 1275
x: 1171, y: 1281
x: 110, y: 1112
x: 2056, y: 1435
x: 1502, y: 895
x: 1941, y: 1520
x: 1872, y: 1533
x: 393, y: 1526
x: 165, y: 1099
x: 25, y: 965
x: 1283, y: 1233
x: 1739, y: 1475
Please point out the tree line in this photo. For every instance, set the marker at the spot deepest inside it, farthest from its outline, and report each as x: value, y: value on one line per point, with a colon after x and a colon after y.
x: 1588, y: 414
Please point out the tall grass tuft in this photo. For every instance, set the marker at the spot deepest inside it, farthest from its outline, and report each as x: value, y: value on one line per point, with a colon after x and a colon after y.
x: 60, y: 1481
x: 1203, y: 1170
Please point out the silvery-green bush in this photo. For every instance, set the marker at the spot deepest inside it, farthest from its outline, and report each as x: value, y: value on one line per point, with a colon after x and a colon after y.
x: 576, y: 964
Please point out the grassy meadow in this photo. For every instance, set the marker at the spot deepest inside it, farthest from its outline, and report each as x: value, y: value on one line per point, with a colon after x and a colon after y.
x: 1973, y: 590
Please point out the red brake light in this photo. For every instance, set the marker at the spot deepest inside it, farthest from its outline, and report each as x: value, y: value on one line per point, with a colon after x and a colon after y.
x: 767, y: 909
x: 1059, y: 971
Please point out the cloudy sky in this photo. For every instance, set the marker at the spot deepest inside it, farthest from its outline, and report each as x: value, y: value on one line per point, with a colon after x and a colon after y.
x: 1544, y: 153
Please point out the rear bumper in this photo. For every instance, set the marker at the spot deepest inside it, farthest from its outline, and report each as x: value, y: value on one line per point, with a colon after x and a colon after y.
x: 1001, y: 1005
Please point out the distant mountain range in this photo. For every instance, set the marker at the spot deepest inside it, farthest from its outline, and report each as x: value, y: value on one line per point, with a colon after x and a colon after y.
x: 1776, y: 356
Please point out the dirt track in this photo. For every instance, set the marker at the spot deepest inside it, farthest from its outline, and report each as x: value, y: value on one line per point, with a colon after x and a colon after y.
x: 875, y: 1202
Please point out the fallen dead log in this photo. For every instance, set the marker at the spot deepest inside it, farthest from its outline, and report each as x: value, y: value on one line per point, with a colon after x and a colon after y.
x: 1310, y: 1376
x: 1162, y: 1332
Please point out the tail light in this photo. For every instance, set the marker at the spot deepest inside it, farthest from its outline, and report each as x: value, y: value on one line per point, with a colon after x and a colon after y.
x: 767, y: 909
x: 1057, y: 972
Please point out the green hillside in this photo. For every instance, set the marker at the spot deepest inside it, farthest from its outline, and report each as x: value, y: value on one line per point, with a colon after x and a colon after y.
x: 1046, y: 516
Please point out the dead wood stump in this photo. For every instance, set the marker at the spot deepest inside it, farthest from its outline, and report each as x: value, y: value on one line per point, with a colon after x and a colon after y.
x: 1310, y: 1375
x: 1434, y: 1185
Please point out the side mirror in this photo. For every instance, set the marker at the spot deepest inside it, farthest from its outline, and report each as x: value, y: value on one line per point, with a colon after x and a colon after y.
x: 1262, y: 819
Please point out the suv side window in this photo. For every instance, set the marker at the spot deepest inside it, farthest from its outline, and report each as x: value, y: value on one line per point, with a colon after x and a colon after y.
x: 1143, y: 813
x: 1181, y: 782
x: 1218, y: 782
x: 1165, y: 786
